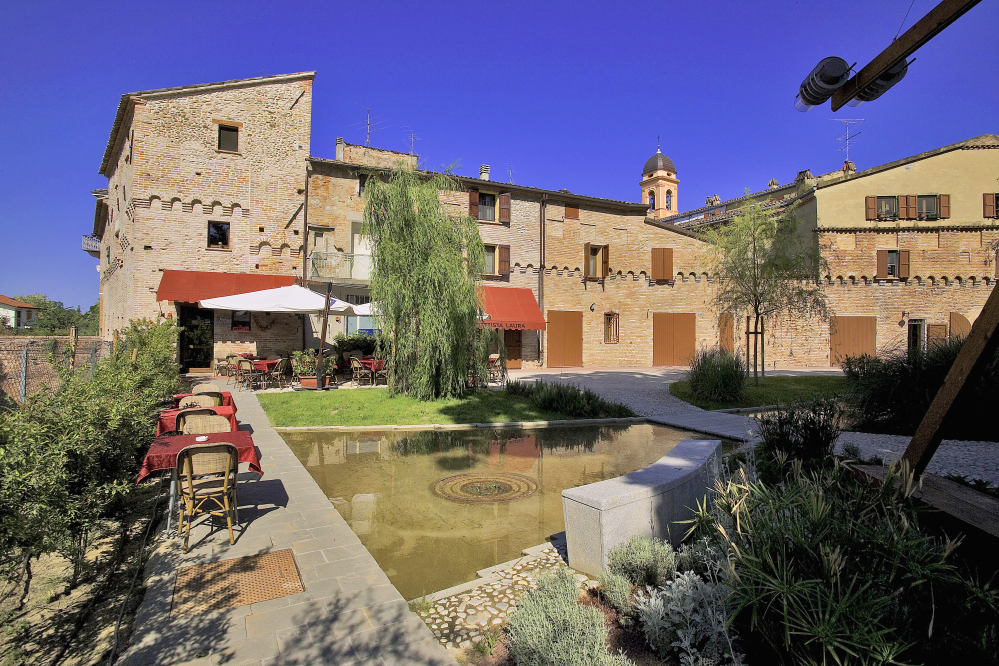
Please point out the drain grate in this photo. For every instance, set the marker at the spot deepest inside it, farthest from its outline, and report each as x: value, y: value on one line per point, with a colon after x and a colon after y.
x: 484, y: 487
x: 204, y: 588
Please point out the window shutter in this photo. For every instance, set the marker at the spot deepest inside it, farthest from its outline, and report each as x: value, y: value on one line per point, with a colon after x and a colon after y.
x: 903, y: 263
x: 604, y: 260
x: 668, y: 263
x: 662, y: 264
x: 912, y: 208
x: 504, y: 208
x: 504, y: 259
x: 944, y: 206
x: 882, y: 265
x: 473, y: 203
x: 900, y: 206
x: 571, y: 212
x: 586, y: 260
x: 936, y: 334
x: 989, y: 205
x: 871, y: 207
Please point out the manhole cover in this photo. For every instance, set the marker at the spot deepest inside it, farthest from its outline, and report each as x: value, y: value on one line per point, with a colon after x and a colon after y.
x: 204, y: 588
x: 484, y: 487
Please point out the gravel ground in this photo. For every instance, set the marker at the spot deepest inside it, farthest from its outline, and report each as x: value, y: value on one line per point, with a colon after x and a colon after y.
x: 977, y: 460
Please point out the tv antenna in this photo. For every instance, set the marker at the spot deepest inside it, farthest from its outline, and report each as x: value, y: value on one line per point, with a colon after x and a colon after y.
x: 369, y: 125
x: 412, y: 140
x: 509, y: 171
x: 848, y: 138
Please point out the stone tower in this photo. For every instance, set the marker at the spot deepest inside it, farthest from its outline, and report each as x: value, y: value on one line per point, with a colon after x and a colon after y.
x: 659, y: 185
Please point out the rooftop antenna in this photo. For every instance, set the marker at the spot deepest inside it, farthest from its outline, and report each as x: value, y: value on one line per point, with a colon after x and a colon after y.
x: 658, y: 145
x: 509, y: 171
x: 848, y: 138
x: 412, y: 139
x: 370, y: 126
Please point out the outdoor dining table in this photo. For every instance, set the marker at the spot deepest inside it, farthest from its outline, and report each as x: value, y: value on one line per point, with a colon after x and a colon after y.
x: 163, y: 452
x: 168, y: 418
x: 251, y: 357
x: 372, y: 364
x: 226, y: 399
x: 264, y: 365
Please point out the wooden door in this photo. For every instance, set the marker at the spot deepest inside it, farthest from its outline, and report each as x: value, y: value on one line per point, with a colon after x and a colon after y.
x: 512, y: 342
x: 851, y: 336
x: 197, y: 337
x: 726, y: 332
x: 959, y: 325
x: 673, y: 337
x: 565, y: 339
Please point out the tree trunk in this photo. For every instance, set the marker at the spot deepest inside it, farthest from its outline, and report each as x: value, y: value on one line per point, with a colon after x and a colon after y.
x: 27, y: 582
x: 763, y: 348
x: 756, y: 350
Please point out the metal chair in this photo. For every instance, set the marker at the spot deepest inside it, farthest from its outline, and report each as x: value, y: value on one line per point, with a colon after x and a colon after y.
x: 232, y: 367
x: 205, y: 424
x: 183, y: 414
x: 279, y: 373
x: 206, y: 388
x: 248, y: 374
x: 200, y: 400
x: 359, y: 372
x: 206, y: 475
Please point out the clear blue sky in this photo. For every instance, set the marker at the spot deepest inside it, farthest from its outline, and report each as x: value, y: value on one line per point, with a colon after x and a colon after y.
x: 571, y: 95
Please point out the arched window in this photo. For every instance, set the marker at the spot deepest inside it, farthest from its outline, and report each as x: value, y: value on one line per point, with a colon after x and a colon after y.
x: 652, y: 200
x: 669, y: 199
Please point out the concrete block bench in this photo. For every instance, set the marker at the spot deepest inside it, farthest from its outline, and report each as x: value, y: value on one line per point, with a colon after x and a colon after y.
x: 650, y: 502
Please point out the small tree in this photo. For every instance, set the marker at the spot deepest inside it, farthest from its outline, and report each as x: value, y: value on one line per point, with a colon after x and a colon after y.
x: 767, y: 266
x: 426, y: 266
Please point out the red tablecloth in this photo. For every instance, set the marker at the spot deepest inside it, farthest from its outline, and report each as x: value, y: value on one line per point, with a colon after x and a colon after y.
x: 226, y: 399
x: 266, y: 366
x: 168, y: 418
x: 163, y: 451
x: 251, y: 357
x: 372, y: 364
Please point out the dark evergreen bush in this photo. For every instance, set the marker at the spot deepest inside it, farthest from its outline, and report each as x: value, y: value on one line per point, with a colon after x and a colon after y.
x: 804, y: 431
x: 570, y: 400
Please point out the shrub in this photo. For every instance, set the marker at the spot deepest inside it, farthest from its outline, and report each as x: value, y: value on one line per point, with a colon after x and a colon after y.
x: 717, y: 375
x: 616, y: 590
x: 550, y: 628
x: 643, y: 561
x: 891, y: 393
x: 805, y: 432
x: 362, y: 342
x: 570, y: 400
x: 688, y: 618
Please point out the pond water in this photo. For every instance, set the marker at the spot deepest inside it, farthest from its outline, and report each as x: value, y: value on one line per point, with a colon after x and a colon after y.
x: 433, y: 507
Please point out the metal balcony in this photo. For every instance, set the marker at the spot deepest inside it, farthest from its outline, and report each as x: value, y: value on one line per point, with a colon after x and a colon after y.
x: 92, y: 245
x: 339, y: 267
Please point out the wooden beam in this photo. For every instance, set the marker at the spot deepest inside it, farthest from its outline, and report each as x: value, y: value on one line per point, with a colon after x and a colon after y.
x: 923, y: 31
x: 320, y: 375
x: 979, y: 348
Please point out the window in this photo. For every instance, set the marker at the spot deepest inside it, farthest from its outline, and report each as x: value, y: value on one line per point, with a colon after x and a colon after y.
x: 229, y: 138
x: 669, y: 200
x: 662, y: 264
x: 595, y: 261
x: 241, y: 320
x: 571, y: 212
x: 989, y: 200
x: 487, y: 207
x: 358, y: 299
x: 497, y: 261
x: 652, y: 200
x: 892, y: 264
x: 362, y: 180
x: 887, y: 208
x: 218, y: 235
x: 610, y: 327
x: 489, y: 266
x: 927, y: 207
x: 321, y: 239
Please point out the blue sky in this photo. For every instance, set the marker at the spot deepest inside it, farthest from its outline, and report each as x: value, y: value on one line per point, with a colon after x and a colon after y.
x: 572, y: 95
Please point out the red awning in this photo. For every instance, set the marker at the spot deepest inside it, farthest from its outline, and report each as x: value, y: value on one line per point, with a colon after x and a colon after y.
x: 511, y: 307
x: 194, y: 286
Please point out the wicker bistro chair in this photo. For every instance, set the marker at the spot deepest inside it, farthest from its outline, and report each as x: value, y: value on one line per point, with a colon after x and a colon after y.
x: 221, y: 364
x: 184, y: 414
x: 206, y: 388
x: 206, y: 474
x: 200, y: 400
x: 249, y: 375
x: 205, y: 424
x: 359, y: 372
x: 231, y: 368
x: 279, y: 375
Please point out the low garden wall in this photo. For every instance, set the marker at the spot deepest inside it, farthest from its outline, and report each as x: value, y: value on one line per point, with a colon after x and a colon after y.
x: 649, y: 502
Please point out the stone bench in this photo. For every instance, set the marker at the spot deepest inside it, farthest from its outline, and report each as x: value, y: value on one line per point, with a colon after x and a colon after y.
x: 649, y: 502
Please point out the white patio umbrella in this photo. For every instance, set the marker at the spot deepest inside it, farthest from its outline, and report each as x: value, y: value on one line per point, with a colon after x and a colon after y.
x: 283, y: 299
x: 366, y: 310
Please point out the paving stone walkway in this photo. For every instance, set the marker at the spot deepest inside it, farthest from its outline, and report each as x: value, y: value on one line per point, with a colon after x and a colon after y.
x: 349, y: 614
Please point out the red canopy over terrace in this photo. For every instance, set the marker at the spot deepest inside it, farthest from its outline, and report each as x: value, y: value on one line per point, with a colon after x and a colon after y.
x: 194, y: 286
x: 511, y: 308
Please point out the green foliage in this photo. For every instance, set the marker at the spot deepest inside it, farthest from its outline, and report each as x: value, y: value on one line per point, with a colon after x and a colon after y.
x: 616, y: 591
x: 688, y: 618
x: 550, y: 628
x: 826, y: 570
x: 68, y: 457
x: 571, y: 400
x: 892, y: 392
x: 804, y: 432
x: 421, y: 605
x: 768, y: 267
x: 425, y: 275
x: 769, y: 391
x: 357, y: 341
x: 717, y: 375
x: 643, y: 561
x: 306, y: 362
x: 55, y: 319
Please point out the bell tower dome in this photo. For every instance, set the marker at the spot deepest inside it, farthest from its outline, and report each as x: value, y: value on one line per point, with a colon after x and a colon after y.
x: 659, y: 185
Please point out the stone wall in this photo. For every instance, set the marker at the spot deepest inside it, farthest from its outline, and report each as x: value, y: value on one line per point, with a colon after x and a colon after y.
x: 270, y: 335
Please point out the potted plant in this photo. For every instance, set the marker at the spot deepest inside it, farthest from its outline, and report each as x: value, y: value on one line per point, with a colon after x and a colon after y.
x: 304, y: 364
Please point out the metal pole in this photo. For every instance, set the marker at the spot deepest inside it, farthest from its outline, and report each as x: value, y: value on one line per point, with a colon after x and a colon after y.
x: 322, y: 341
x: 24, y: 373
x: 747, y: 345
x: 763, y: 350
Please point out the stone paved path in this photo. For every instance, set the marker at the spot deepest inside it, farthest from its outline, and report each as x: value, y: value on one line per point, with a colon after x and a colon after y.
x: 349, y: 614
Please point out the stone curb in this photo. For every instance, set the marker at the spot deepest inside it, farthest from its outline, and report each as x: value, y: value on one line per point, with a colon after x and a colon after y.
x: 468, y: 426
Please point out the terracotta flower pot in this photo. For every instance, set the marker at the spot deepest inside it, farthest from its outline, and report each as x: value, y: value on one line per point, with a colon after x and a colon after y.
x: 309, y: 381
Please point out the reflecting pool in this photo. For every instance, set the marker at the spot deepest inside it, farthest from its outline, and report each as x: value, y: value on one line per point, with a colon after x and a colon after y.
x: 433, y: 507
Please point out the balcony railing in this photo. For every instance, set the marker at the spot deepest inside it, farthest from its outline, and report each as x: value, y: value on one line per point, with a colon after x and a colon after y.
x: 92, y: 245
x: 339, y: 266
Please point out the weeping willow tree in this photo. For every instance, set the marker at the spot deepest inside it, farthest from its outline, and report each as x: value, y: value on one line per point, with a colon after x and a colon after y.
x: 427, y: 262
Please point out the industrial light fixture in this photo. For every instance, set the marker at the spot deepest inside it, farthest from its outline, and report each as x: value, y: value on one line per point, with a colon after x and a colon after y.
x: 882, y: 84
x: 593, y: 306
x: 819, y: 86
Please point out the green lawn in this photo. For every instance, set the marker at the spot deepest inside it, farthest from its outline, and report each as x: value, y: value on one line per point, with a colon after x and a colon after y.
x: 362, y: 407
x: 772, y: 390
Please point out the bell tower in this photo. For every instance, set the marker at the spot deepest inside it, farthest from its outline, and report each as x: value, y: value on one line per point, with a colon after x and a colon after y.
x: 659, y: 185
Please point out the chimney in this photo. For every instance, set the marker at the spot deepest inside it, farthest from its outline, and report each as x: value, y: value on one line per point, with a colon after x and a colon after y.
x: 849, y: 167
x: 484, y: 172
x: 715, y: 200
x: 773, y: 184
x: 339, y: 149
